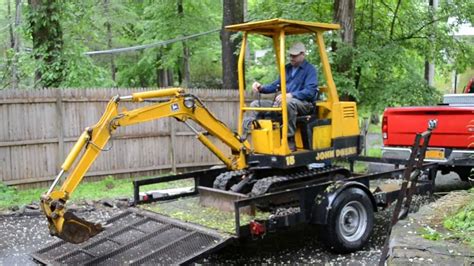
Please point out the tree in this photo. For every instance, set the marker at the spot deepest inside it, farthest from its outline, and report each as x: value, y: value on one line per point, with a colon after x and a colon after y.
x: 108, y: 27
x: 344, y: 12
x: 47, y: 35
x: 429, y: 65
x: 184, y: 71
x: 233, y: 13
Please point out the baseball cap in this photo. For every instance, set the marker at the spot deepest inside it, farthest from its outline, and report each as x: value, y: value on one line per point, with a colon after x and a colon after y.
x: 297, y: 48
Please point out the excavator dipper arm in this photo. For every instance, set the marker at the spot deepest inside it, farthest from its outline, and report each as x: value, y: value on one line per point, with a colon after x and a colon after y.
x: 65, y: 224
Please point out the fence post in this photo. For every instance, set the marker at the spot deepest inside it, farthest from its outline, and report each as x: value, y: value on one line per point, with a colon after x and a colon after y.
x: 60, y: 127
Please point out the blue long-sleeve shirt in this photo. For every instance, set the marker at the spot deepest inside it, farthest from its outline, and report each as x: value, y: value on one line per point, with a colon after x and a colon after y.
x: 303, y: 85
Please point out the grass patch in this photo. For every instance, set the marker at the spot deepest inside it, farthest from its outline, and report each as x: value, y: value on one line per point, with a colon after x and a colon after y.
x: 10, y: 196
x: 106, y: 188
x: 461, y: 224
x: 375, y: 128
x: 374, y: 152
x: 189, y: 210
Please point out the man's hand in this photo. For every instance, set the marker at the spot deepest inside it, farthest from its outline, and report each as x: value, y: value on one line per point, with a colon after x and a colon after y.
x: 256, y: 86
x: 278, y: 98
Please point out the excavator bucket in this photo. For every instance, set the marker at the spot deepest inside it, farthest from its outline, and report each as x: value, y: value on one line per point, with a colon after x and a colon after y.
x: 77, y: 230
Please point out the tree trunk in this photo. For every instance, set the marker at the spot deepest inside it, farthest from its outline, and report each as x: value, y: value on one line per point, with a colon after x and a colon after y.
x: 429, y: 65
x: 10, y: 27
x: 108, y: 27
x: 344, y: 12
x: 169, y: 72
x: 233, y: 12
x: 47, y: 42
x: 185, y: 70
x: 16, y: 47
x: 159, y: 70
x: 14, y: 41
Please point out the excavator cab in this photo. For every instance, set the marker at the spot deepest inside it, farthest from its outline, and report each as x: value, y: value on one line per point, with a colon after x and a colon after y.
x: 331, y: 131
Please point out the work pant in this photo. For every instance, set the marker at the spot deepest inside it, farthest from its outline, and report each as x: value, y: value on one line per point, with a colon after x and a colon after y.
x: 295, y: 107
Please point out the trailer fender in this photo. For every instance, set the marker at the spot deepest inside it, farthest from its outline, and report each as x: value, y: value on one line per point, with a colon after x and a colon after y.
x: 324, y: 202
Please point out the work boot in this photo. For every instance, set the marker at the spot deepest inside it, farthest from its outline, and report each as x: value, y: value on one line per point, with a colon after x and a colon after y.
x: 247, y: 126
x: 291, y: 143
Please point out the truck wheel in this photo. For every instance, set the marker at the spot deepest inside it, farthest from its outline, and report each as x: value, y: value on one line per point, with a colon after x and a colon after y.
x: 350, y: 222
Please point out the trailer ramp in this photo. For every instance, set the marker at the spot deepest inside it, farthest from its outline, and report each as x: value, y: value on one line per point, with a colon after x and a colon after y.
x: 138, y: 237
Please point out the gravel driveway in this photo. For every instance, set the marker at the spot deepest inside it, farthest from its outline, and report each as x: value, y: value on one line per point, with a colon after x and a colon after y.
x: 22, y: 235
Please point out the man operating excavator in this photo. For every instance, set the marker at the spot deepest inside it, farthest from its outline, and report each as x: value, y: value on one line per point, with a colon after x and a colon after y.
x: 301, y: 87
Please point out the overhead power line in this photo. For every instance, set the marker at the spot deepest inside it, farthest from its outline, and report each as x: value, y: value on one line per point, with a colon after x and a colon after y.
x: 145, y: 46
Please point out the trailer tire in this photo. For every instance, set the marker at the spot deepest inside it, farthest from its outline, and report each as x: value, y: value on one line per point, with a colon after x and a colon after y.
x: 350, y: 221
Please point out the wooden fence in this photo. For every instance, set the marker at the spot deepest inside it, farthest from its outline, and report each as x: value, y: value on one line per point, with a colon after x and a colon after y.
x: 39, y: 127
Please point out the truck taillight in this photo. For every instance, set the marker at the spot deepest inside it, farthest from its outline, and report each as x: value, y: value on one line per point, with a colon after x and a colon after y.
x: 385, y: 127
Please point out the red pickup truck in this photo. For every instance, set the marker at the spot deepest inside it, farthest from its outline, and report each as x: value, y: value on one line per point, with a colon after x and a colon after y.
x: 452, y: 142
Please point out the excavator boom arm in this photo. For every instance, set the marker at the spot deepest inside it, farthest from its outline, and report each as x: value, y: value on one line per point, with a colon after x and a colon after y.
x: 93, y: 140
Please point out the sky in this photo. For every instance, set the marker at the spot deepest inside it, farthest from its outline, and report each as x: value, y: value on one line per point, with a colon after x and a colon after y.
x: 465, y: 29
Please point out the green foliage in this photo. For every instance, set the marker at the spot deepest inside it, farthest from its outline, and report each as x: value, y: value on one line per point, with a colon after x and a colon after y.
x: 374, y: 152
x: 6, y: 193
x: 385, y: 64
x: 10, y: 196
x: 461, y: 224
x: 430, y: 233
x: 44, y: 26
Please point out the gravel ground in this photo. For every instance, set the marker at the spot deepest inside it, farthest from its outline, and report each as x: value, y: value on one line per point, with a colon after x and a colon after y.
x: 23, y: 235
x: 300, y: 246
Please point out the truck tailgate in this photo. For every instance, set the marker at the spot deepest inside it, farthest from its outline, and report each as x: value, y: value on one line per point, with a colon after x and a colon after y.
x: 455, y: 126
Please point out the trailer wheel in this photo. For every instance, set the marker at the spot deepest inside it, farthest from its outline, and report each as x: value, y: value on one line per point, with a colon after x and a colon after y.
x: 350, y: 221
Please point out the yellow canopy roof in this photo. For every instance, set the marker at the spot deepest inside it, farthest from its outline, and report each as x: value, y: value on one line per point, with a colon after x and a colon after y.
x: 272, y: 26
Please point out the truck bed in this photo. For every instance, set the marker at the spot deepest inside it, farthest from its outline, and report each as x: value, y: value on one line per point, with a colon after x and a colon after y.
x: 455, y: 126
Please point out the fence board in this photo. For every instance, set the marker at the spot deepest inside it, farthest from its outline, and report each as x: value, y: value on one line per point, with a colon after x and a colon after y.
x: 39, y: 127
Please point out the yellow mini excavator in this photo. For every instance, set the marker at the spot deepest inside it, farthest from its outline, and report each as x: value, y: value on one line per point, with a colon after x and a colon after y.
x: 253, y: 169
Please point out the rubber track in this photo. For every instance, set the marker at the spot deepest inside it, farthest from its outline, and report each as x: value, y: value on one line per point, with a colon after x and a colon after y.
x: 223, y: 179
x: 270, y: 183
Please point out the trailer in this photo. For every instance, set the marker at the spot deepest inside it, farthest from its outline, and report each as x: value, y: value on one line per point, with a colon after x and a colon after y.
x: 343, y: 208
